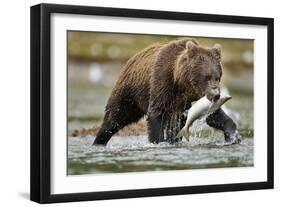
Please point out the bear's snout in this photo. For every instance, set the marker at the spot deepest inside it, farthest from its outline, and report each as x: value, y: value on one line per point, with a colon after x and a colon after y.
x: 213, y: 94
x: 216, y: 97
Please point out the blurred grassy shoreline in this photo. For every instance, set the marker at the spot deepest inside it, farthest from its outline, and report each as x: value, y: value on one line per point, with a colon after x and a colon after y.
x: 114, y: 47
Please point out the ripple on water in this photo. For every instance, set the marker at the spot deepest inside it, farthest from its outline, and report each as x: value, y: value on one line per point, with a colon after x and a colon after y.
x: 136, y: 154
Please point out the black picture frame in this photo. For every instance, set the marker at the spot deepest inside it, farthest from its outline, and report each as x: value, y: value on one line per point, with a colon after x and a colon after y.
x: 41, y: 102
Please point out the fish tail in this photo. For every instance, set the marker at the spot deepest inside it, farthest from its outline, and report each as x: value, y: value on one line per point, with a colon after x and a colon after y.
x: 184, y: 133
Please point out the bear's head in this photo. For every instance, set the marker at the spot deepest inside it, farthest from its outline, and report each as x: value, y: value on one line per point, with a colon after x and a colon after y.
x: 201, y: 68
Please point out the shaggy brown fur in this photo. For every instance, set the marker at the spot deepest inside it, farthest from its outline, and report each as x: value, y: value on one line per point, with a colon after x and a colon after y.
x: 161, y: 81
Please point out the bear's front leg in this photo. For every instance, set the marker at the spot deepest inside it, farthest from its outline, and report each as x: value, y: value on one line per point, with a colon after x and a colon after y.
x: 220, y: 120
x: 155, y: 124
x: 174, y: 125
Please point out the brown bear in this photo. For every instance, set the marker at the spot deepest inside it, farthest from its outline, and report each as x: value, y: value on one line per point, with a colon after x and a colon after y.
x: 161, y: 82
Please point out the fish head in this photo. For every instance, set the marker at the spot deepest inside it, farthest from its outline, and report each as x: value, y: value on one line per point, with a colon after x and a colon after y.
x: 218, y: 103
x: 223, y: 99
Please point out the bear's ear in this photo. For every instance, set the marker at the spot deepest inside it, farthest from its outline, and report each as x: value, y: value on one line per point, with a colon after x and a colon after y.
x: 192, y: 49
x: 217, y: 51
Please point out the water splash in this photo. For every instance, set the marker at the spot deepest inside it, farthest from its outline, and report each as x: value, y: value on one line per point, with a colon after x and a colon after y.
x: 135, y: 153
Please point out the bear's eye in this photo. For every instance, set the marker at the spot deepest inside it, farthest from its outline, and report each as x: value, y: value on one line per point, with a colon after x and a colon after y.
x: 217, y: 79
x: 208, y: 77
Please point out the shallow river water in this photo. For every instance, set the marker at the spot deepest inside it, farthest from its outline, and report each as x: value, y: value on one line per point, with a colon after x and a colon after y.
x: 135, y: 153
